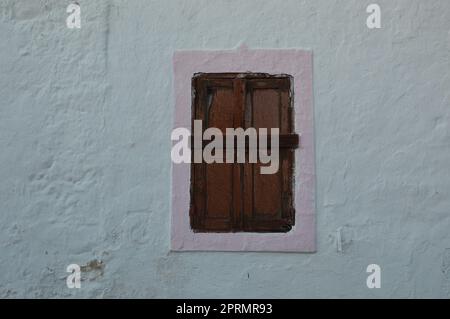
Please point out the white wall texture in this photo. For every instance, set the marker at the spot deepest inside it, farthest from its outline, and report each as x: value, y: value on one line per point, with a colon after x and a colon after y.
x: 85, y: 123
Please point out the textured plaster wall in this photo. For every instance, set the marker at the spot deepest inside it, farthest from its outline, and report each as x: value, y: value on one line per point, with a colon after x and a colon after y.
x: 85, y: 122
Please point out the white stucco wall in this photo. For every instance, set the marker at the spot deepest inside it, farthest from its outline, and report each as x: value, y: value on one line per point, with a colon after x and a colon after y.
x: 85, y: 122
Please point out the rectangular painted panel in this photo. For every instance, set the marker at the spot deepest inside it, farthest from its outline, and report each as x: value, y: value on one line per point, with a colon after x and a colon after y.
x: 236, y: 197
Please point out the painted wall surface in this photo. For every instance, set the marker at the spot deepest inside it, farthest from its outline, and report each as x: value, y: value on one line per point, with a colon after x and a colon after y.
x: 85, y: 170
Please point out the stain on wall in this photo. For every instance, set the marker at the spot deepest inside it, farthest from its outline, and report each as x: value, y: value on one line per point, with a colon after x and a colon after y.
x: 85, y: 122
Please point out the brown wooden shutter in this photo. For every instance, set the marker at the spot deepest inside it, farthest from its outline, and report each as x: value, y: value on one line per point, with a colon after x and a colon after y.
x: 237, y: 197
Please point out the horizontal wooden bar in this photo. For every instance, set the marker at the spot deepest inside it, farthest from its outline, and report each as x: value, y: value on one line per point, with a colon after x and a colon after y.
x: 279, y: 83
x: 284, y: 141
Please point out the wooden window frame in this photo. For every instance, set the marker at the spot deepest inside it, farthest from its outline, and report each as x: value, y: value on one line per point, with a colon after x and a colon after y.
x: 242, y: 216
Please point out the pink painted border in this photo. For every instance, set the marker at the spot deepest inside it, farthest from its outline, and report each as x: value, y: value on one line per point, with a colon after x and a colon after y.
x: 297, y: 63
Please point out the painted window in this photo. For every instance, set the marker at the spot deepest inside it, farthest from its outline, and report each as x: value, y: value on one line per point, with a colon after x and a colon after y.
x: 241, y: 233
x: 237, y: 196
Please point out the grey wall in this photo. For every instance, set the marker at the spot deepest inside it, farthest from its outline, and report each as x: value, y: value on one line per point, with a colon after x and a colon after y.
x: 85, y: 122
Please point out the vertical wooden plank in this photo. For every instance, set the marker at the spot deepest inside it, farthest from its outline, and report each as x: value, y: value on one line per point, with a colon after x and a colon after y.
x: 272, y: 194
x: 219, y: 176
x: 198, y: 209
x: 287, y: 159
x: 247, y: 196
x: 238, y: 187
x: 212, y: 184
x: 266, y: 188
